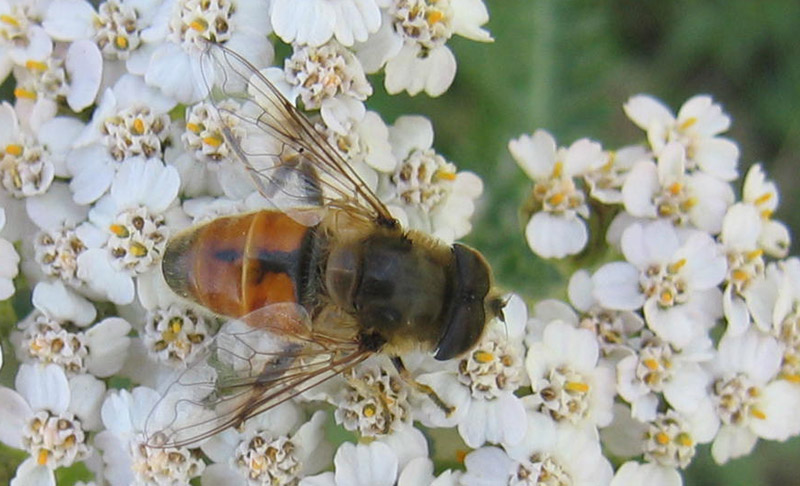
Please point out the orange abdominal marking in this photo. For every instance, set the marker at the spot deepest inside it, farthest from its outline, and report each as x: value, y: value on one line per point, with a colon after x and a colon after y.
x: 241, y: 263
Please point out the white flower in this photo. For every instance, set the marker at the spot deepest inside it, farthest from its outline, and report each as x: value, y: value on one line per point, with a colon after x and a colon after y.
x: 180, y: 30
x: 130, y: 121
x: 49, y: 417
x: 175, y: 335
x: 411, y: 43
x: 116, y: 27
x: 126, y: 457
x: 557, y: 227
x: 675, y: 281
x: 54, y: 334
x: 668, y: 191
x: 29, y: 160
x: 132, y: 216
x: 763, y: 194
x: 670, y: 439
x: 480, y: 386
x: 371, y: 399
x: 64, y: 235
x: 559, y: 452
x: 425, y: 192
x: 269, y: 449
x: 696, y: 127
x: 657, y: 368
x: 750, y: 403
x: 72, y: 73
x: 8, y: 262
x: 605, y: 182
x: 361, y: 137
x: 739, y: 238
x: 318, y: 74
x: 568, y: 381
x: 206, y: 162
x: 21, y: 37
x: 613, y: 328
x: 313, y: 22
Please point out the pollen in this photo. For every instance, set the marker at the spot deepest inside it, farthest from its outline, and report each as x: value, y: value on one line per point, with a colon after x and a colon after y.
x: 662, y: 438
x: 758, y: 414
x: 138, y: 250
x: 556, y: 199
x: 369, y: 411
x: 445, y: 175
x: 213, y: 140
x: 675, y: 188
x: 461, y: 454
x: 138, y: 126
x: 752, y: 255
x: 762, y: 199
x: 576, y: 386
x: 119, y: 230
x: 9, y: 20
x: 193, y: 127
x: 650, y: 363
x: 121, y: 42
x: 688, y: 123
x: 685, y: 440
x: 558, y: 170
x: 42, y: 457
x: 14, y: 149
x: 199, y: 25
x: 24, y: 93
x: 35, y: 65
x: 792, y: 378
x: 435, y: 16
x: 483, y: 357
x: 739, y: 275
x: 676, y: 266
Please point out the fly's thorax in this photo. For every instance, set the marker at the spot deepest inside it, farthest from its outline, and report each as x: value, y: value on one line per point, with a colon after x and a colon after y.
x: 393, y: 285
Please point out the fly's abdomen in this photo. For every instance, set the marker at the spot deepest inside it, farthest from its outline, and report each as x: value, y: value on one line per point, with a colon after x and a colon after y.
x: 237, y: 264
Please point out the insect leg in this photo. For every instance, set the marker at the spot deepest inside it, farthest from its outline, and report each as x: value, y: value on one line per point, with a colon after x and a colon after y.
x: 421, y: 387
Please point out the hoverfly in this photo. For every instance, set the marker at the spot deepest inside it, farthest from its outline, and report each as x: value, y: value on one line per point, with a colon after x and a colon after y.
x: 315, y: 285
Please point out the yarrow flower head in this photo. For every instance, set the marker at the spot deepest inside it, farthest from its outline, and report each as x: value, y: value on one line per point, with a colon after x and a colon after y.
x: 50, y: 416
x: 411, y: 43
x: 557, y: 227
x: 425, y: 191
x: 674, y: 281
x: 696, y: 129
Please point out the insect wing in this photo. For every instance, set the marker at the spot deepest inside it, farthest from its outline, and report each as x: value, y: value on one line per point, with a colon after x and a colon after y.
x: 253, y: 364
x: 290, y: 162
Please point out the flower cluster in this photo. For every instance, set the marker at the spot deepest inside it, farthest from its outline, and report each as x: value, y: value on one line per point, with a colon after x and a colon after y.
x: 114, y: 143
x: 691, y: 320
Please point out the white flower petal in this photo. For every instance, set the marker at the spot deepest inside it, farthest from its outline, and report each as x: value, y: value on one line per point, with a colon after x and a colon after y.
x: 62, y: 304
x: 15, y: 412
x: 44, y: 387
x: 84, y: 65
x: 365, y: 465
x: 616, y: 286
x: 67, y: 20
x: 556, y: 236
x: 86, y: 398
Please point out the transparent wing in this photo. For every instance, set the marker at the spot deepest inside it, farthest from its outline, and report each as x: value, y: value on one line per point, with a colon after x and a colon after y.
x: 290, y: 162
x: 254, y: 364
